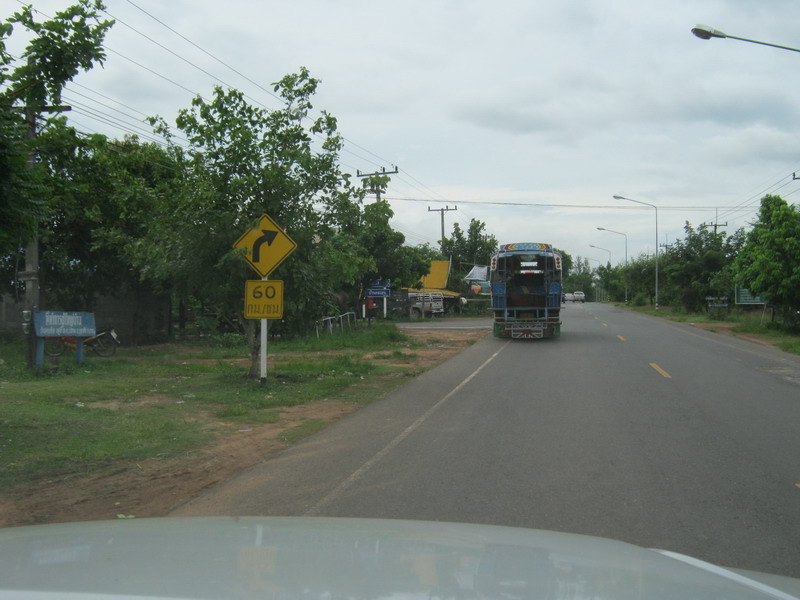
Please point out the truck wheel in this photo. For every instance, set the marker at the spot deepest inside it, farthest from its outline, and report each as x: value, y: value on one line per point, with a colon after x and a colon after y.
x: 416, y: 313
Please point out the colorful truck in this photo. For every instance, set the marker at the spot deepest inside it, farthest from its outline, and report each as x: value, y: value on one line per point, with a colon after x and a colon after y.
x: 526, y: 291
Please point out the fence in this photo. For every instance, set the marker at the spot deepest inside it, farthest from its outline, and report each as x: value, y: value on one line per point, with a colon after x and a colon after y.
x: 330, y: 324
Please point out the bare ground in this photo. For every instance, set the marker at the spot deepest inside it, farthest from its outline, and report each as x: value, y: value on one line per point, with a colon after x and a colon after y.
x: 152, y: 487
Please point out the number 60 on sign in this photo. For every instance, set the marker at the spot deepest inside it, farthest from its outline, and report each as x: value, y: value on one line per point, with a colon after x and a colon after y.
x: 263, y: 300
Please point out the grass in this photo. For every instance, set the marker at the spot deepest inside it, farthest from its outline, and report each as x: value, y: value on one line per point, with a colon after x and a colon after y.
x: 66, y: 419
x: 752, y: 322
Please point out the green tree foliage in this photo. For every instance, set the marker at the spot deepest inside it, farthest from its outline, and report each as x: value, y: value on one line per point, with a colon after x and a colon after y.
x: 106, y: 195
x: 245, y: 161
x: 695, y: 267
x: 769, y: 262
x: 580, y: 277
x: 474, y: 247
x: 59, y: 49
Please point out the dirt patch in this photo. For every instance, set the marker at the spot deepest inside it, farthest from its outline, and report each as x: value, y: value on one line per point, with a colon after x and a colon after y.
x: 152, y: 487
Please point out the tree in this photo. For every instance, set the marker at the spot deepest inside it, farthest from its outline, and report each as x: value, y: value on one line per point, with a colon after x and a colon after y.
x: 769, y: 262
x: 692, y: 265
x: 474, y: 248
x: 59, y: 49
x: 580, y: 277
x: 245, y: 161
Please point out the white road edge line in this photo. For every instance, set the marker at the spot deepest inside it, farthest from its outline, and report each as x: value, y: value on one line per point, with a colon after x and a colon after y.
x: 317, y: 508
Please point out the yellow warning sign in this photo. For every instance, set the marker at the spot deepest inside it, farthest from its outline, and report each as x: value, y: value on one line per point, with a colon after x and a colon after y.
x: 265, y: 246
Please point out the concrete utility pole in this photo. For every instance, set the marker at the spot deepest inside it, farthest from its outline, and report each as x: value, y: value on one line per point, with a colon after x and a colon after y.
x: 383, y: 171
x: 30, y: 275
x: 442, y: 211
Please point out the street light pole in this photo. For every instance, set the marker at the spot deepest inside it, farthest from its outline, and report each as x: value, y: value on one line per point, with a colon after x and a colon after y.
x: 704, y: 32
x: 656, y: 209
x: 605, y: 250
x: 598, y: 290
x: 626, y: 257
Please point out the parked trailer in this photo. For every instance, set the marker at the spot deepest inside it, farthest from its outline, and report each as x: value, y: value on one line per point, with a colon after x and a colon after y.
x: 526, y: 288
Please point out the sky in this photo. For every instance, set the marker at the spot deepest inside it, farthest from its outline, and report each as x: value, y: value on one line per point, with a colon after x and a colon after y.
x: 527, y: 115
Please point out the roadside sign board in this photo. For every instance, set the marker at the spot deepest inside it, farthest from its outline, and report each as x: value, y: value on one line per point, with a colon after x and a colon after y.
x: 50, y: 323
x: 265, y: 246
x: 263, y: 299
x: 378, y: 292
x: 743, y: 296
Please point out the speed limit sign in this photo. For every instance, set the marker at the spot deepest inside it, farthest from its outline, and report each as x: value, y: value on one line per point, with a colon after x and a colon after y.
x: 263, y: 299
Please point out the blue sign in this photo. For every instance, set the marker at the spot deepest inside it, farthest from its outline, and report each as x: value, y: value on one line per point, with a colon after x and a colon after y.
x: 50, y: 323
x: 377, y: 292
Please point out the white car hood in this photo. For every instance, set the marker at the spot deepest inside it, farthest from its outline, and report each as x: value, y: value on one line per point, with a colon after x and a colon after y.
x: 350, y: 559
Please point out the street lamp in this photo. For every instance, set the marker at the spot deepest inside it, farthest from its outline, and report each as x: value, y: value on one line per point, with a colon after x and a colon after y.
x: 704, y: 32
x: 656, y: 209
x: 609, y: 260
x: 626, y: 257
x: 599, y: 248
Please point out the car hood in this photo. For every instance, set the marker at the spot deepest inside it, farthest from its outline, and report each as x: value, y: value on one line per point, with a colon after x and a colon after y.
x: 350, y: 559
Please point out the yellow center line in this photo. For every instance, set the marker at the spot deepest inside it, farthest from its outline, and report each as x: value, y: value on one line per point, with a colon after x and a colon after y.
x: 605, y: 324
x: 622, y: 339
x: 660, y: 370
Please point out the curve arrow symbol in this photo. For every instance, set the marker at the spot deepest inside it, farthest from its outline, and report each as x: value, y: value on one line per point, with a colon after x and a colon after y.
x: 267, y: 236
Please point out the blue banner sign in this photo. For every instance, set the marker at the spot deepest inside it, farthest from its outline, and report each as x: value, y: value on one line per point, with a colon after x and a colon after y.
x: 50, y: 323
x: 377, y: 292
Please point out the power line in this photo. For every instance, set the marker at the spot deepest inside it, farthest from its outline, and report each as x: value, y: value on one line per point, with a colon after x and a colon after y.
x: 556, y: 205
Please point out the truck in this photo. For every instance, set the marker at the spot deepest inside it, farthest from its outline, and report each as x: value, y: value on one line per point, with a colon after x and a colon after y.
x: 526, y: 285
x: 417, y: 304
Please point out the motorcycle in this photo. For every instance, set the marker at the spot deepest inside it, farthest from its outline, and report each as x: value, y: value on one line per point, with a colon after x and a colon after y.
x: 104, y: 343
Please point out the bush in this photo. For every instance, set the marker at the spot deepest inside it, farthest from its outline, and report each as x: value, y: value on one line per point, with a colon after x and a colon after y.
x: 640, y: 299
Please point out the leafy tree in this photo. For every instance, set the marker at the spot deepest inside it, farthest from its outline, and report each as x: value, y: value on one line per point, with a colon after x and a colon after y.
x: 246, y: 161
x: 691, y: 267
x: 59, y: 49
x: 473, y: 247
x: 769, y: 262
x: 580, y: 277
x: 641, y: 273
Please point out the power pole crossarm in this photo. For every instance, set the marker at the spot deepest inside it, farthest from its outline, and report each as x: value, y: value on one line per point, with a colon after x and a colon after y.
x: 376, y: 189
x: 442, y: 211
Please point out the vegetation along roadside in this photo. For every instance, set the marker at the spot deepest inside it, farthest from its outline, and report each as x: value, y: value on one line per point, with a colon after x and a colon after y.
x: 137, y: 434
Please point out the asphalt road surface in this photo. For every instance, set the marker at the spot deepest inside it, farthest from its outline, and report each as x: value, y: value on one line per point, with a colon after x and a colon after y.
x: 627, y: 427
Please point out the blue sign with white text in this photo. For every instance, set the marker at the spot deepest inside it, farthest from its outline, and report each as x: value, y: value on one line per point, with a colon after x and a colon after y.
x: 378, y: 292
x: 50, y: 323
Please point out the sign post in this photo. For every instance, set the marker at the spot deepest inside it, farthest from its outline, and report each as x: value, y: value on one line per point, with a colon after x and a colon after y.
x: 265, y: 247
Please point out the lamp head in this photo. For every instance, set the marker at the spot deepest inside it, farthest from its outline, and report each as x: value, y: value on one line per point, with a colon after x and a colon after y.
x: 704, y: 32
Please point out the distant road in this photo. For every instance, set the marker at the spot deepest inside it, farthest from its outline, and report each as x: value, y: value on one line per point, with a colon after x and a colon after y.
x: 628, y: 426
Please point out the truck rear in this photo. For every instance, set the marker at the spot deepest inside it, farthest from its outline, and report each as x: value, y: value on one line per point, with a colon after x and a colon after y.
x: 526, y: 283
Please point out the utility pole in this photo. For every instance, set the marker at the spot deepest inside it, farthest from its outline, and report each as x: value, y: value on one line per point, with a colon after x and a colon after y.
x: 716, y: 224
x: 383, y: 171
x: 442, y: 211
x: 31, y: 273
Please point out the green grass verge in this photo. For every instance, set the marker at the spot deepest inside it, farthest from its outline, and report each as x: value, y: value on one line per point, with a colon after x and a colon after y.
x: 67, y: 419
x: 751, y: 322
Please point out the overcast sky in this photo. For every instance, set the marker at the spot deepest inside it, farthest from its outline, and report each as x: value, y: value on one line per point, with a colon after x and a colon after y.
x: 527, y: 115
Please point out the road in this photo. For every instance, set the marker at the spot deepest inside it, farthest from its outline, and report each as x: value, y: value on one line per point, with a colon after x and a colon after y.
x: 628, y: 427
